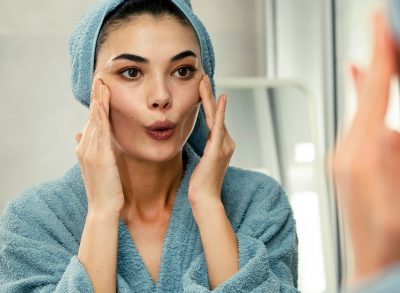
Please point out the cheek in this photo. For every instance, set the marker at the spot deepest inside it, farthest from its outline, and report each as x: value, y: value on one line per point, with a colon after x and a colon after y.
x: 119, y: 97
x: 189, y: 98
x: 124, y: 106
x: 189, y: 105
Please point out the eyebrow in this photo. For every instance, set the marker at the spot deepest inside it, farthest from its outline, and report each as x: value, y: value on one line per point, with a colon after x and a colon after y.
x: 182, y: 55
x: 140, y: 59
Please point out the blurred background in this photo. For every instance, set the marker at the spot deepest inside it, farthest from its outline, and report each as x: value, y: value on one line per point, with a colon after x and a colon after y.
x: 284, y: 65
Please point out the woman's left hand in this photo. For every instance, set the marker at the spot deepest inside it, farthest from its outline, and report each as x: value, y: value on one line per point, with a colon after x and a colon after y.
x: 206, y: 181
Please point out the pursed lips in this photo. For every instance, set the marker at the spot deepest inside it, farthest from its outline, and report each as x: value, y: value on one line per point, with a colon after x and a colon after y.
x: 161, y: 130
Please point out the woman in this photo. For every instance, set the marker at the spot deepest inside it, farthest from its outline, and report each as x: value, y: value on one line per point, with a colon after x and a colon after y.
x: 152, y: 205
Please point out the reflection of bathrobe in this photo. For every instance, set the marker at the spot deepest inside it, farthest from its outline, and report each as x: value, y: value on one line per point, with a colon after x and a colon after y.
x: 385, y: 281
x: 40, y: 231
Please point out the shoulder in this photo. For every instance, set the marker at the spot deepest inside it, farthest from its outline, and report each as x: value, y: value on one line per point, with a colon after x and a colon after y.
x: 254, y: 200
x: 253, y: 181
x: 62, y: 192
x: 242, y: 187
x: 47, y: 205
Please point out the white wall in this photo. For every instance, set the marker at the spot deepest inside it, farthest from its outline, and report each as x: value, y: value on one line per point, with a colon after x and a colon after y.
x: 38, y: 114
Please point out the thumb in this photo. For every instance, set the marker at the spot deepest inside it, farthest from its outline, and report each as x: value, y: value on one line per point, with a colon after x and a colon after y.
x: 78, y: 137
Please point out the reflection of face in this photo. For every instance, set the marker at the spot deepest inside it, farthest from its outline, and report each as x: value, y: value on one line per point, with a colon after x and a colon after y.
x: 158, y: 89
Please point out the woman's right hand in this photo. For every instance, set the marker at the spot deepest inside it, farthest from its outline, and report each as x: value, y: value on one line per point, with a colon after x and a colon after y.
x: 96, y: 157
x: 366, y: 164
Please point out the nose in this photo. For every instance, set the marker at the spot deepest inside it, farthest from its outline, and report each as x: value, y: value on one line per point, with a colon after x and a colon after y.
x: 160, y: 98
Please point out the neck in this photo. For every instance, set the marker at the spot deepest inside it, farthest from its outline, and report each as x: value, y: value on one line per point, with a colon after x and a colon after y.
x: 149, y: 187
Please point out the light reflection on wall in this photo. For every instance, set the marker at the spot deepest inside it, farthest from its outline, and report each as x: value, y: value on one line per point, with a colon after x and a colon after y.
x: 311, y: 264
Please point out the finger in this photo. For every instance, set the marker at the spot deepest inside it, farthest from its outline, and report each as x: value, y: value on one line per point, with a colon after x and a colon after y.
x: 95, y: 96
x: 92, y: 136
x: 218, y: 130
x: 358, y: 77
x: 207, y: 101
x: 92, y: 92
x: 104, y: 128
x: 93, y: 144
x: 90, y: 124
x: 78, y: 137
x: 93, y: 117
x: 105, y: 97
x: 377, y: 81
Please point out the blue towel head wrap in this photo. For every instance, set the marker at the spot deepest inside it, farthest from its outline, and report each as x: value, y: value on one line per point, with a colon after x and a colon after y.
x: 82, y: 46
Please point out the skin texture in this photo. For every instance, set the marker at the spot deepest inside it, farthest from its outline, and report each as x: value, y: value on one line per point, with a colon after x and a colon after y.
x: 128, y: 174
x: 366, y: 164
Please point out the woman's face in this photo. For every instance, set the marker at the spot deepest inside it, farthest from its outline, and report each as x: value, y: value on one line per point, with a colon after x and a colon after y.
x: 152, y: 67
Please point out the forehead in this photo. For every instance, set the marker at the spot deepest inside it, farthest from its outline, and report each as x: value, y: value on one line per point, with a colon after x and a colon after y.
x: 151, y: 37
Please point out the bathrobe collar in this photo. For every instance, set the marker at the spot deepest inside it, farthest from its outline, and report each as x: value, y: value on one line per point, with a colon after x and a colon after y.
x: 182, y: 241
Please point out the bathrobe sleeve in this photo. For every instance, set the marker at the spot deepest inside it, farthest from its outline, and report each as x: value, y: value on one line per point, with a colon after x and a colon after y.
x: 267, y: 244
x: 386, y: 281
x: 36, y: 250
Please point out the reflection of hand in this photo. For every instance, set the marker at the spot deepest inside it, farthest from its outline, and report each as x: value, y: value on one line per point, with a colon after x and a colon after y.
x: 207, y: 178
x: 96, y: 157
x: 366, y: 165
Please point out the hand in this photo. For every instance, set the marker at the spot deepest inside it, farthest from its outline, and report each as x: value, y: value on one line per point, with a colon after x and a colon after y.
x: 206, y: 181
x: 96, y: 157
x: 366, y: 165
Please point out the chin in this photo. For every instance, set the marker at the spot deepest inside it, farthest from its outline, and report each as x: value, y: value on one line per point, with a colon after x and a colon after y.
x: 146, y: 149
x: 162, y: 152
x: 154, y: 152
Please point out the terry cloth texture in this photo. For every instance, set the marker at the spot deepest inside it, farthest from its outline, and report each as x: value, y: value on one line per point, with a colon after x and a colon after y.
x: 40, y: 232
x: 82, y: 53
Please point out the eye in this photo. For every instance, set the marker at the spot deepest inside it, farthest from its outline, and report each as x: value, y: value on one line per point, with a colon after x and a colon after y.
x: 185, y: 71
x: 130, y: 73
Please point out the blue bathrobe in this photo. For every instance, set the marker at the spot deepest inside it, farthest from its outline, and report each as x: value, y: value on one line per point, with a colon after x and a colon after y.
x: 40, y: 232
